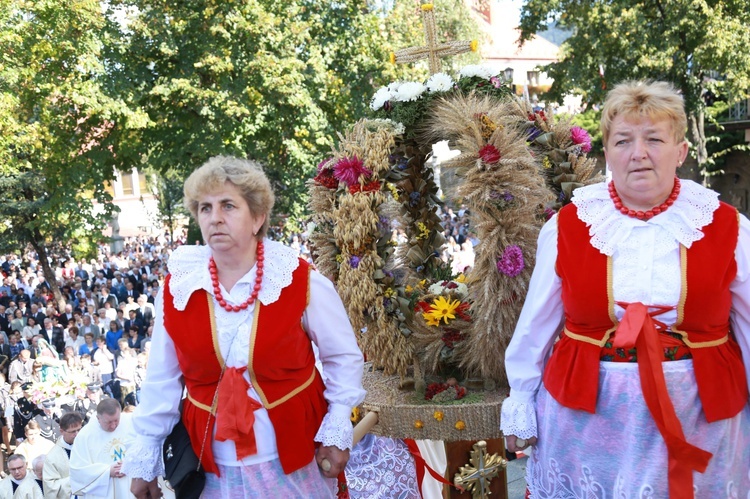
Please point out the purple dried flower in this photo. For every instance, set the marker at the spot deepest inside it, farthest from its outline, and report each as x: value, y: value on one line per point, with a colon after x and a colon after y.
x: 533, y: 132
x: 354, y: 261
x: 414, y: 198
x: 549, y: 213
x: 581, y: 137
x: 511, y: 263
x: 349, y: 169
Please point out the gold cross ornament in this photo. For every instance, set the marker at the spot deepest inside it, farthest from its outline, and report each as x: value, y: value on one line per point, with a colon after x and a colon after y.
x: 477, y: 476
x: 433, y: 51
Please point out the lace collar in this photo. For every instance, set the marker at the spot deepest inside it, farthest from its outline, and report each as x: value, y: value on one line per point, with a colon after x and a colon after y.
x: 693, y: 210
x: 188, y: 267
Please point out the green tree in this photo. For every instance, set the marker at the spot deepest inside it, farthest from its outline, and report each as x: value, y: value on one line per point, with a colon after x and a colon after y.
x: 272, y: 81
x: 57, y: 123
x: 167, y: 188
x: 699, y: 46
x: 262, y: 79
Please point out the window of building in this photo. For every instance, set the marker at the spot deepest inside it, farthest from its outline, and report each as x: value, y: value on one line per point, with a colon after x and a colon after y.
x: 127, y: 183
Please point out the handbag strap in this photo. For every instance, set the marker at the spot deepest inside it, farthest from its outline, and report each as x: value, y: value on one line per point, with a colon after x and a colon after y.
x: 214, y: 403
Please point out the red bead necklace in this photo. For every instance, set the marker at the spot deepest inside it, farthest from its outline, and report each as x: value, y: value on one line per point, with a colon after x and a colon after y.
x: 644, y: 215
x: 256, y: 289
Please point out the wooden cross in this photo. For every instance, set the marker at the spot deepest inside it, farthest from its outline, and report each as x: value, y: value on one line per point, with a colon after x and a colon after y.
x: 433, y: 51
x: 477, y: 476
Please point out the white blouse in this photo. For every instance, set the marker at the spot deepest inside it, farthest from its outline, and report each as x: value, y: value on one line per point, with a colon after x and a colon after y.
x: 324, y: 319
x: 646, y: 268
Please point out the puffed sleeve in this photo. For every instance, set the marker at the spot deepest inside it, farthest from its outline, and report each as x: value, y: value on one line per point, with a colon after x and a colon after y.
x: 328, y: 325
x: 740, y: 289
x: 159, y: 409
x: 536, y: 330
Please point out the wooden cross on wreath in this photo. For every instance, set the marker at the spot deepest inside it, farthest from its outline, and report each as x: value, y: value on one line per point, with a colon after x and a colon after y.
x: 477, y: 476
x: 433, y: 51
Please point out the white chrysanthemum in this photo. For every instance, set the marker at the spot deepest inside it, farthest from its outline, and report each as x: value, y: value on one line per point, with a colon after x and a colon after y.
x: 382, y: 96
x: 439, y: 82
x: 441, y: 288
x: 409, y: 91
x: 393, y: 86
x: 480, y: 71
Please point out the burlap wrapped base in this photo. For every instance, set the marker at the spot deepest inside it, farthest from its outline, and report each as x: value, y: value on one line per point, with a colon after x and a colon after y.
x: 402, y: 415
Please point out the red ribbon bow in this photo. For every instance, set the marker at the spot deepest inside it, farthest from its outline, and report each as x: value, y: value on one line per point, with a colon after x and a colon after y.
x: 638, y: 328
x: 236, y: 418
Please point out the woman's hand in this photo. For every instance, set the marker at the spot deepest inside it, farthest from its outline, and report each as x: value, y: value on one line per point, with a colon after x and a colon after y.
x: 142, y: 489
x: 335, y: 456
x: 512, y: 443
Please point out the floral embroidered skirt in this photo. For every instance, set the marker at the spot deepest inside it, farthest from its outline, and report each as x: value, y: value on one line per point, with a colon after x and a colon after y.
x: 381, y: 468
x: 619, y: 453
x: 266, y: 480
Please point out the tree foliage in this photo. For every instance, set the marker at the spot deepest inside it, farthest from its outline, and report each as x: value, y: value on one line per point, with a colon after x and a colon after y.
x: 272, y: 81
x: 700, y: 46
x: 57, y: 123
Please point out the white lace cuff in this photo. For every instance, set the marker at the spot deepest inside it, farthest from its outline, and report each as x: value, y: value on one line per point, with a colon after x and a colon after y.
x: 518, y: 418
x: 143, y: 461
x: 335, y: 430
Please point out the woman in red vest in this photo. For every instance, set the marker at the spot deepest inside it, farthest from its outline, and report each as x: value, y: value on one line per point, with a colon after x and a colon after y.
x: 626, y: 366
x: 236, y: 321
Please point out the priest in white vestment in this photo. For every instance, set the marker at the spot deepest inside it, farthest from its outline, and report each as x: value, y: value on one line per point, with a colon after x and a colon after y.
x: 56, y: 475
x: 19, y: 484
x: 98, y: 452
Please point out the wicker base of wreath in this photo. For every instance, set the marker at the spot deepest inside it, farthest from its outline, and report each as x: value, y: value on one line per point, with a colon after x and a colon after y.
x: 402, y: 415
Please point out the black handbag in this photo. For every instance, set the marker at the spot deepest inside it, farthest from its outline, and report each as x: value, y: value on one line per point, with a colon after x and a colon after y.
x: 182, y: 468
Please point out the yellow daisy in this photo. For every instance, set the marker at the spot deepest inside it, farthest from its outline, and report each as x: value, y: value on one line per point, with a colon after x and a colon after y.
x: 460, y: 278
x: 430, y: 319
x: 443, y: 308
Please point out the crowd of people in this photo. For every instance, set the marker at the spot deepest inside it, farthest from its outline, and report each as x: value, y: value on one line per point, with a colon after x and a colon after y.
x: 94, y: 343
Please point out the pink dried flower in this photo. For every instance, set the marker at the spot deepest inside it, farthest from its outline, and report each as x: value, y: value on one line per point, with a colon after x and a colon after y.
x: 348, y: 170
x: 489, y: 154
x: 511, y: 263
x: 581, y: 137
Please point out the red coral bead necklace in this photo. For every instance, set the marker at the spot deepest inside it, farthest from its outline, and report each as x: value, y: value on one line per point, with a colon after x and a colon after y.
x: 644, y: 215
x: 259, y: 257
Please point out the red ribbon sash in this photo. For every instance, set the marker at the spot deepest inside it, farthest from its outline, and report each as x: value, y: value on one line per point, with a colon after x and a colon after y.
x: 235, y: 417
x: 638, y: 328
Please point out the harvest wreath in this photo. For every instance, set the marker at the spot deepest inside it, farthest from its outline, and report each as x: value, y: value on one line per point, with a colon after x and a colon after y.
x: 516, y: 167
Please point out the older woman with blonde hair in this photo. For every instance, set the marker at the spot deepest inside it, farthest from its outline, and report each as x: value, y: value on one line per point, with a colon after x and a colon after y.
x: 629, y: 364
x: 236, y: 320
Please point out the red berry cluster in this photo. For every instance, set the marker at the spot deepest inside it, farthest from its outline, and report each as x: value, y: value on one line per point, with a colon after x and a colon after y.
x: 368, y: 187
x: 451, y: 337
x: 433, y: 389
x: 326, y: 179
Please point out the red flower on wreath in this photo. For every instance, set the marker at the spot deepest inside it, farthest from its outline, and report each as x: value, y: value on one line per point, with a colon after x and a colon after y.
x: 326, y: 179
x: 368, y: 187
x: 349, y: 169
x: 489, y: 154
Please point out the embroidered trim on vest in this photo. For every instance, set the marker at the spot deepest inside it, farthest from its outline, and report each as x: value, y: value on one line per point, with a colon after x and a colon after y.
x: 214, y: 330
x: 681, y: 307
x: 200, y: 405
x: 251, y: 370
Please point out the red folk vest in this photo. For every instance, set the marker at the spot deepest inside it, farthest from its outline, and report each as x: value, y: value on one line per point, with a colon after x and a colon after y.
x: 281, y: 365
x: 708, y: 267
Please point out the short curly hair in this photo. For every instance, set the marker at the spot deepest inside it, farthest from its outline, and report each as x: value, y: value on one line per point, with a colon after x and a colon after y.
x: 245, y: 174
x: 657, y: 100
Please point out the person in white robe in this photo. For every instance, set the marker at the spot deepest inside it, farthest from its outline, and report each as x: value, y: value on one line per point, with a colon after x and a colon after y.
x: 20, y: 479
x: 98, y: 452
x: 56, y: 475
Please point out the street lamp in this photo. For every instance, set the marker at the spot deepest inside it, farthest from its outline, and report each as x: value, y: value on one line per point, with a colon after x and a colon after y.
x: 508, y: 73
